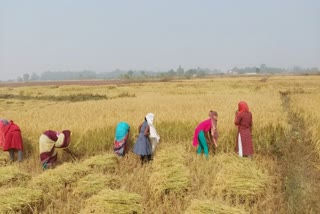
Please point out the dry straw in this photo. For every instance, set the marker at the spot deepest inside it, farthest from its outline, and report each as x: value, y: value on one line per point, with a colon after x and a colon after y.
x: 238, y: 176
x: 113, y: 202
x: 102, y: 163
x: 54, y: 180
x: 212, y: 207
x: 169, y: 174
x: 12, y: 175
x: 19, y: 200
x: 93, y: 183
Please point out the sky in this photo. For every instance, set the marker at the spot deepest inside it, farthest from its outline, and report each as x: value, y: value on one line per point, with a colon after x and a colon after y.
x: 157, y: 35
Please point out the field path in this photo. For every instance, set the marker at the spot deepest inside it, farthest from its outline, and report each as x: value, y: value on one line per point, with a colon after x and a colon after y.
x: 300, y: 176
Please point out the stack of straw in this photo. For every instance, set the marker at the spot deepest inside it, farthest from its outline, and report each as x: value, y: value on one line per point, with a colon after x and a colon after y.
x: 238, y: 176
x: 113, y: 202
x: 212, y: 207
x: 94, y: 183
x: 169, y: 173
x: 12, y: 175
x: 54, y: 180
x: 19, y: 200
x: 102, y: 163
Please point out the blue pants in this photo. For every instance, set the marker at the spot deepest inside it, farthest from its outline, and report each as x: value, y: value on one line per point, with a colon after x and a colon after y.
x: 203, y: 144
x: 11, y: 152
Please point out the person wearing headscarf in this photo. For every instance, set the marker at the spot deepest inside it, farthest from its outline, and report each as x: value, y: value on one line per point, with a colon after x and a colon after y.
x: 143, y: 146
x: 154, y: 136
x: 207, y: 129
x: 121, y: 138
x: 243, y: 120
x: 12, y: 139
x: 3, y: 123
x: 49, y: 140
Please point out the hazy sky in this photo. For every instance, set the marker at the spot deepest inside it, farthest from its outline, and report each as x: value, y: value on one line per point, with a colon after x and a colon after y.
x: 103, y: 35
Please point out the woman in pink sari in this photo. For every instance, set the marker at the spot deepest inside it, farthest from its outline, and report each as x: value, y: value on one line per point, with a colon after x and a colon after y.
x: 207, y: 129
x: 243, y: 120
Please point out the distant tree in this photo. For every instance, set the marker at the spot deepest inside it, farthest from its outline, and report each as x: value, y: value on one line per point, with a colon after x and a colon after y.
x: 34, y: 77
x: 26, y: 77
x: 180, y: 71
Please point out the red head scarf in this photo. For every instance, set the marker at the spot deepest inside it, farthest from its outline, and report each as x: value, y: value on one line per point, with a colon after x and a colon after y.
x: 243, y: 106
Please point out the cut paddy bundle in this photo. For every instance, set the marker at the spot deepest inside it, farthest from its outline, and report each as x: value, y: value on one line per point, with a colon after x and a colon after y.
x: 12, y: 175
x: 113, y: 202
x: 54, y: 180
x: 104, y: 162
x: 238, y: 176
x: 19, y: 200
x: 212, y: 207
x: 93, y: 183
x: 169, y: 174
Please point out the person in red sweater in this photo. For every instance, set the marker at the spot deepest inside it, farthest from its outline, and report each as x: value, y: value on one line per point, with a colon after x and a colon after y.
x: 243, y: 120
x: 13, y: 140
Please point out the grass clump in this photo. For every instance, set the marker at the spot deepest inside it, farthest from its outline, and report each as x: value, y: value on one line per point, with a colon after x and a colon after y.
x: 19, y: 200
x: 113, y: 202
x: 169, y: 174
x: 12, y: 175
x: 101, y: 163
x: 93, y: 183
x: 211, y: 207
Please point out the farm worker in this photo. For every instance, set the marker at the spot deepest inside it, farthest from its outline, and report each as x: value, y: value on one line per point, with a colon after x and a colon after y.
x: 121, y: 138
x: 50, y: 140
x: 243, y: 119
x: 154, y: 136
x: 205, y: 128
x: 3, y: 123
x: 143, y: 146
x: 12, y: 139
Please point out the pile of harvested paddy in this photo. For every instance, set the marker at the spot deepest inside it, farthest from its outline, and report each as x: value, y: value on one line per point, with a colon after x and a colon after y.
x: 238, y: 176
x: 54, y: 180
x: 102, y: 163
x: 93, y: 183
x: 213, y: 207
x: 12, y: 175
x: 169, y: 174
x: 113, y: 202
x: 19, y: 200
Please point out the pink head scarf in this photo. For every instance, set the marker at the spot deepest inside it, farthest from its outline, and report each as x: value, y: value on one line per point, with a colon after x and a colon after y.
x: 243, y: 106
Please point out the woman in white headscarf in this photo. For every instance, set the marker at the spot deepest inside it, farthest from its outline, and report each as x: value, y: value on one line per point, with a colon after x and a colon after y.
x: 154, y: 136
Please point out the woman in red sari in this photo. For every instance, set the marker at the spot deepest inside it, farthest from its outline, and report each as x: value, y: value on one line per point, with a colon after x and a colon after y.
x: 12, y: 140
x: 243, y: 120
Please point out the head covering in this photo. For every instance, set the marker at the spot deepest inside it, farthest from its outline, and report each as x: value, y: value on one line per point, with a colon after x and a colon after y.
x: 67, y: 135
x: 243, y: 106
x: 153, y: 131
x: 213, y: 113
x: 149, y: 118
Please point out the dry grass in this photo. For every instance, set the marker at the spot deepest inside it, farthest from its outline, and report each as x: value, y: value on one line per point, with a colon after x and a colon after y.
x: 102, y: 163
